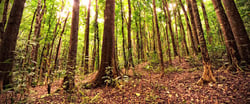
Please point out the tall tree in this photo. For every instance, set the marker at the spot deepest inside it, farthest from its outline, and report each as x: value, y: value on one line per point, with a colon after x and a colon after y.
x: 86, y: 62
x: 207, y: 73
x: 232, y: 51
x: 167, y: 36
x: 206, y: 21
x: 130, y: 54
x: 188, y: 27
x: 95, y: 36
x: 238, y: 28
x: 170, y: 28
x: 4, y: 19
x: 69, y: 79
x: 196, y: 41
x: 39, y: 17
x: 158, y: 37
x: 123, y: 37
x: 7, y: 49
x: 107, y: 46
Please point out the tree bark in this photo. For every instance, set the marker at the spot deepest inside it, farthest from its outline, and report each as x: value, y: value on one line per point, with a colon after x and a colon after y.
x: 183, y: 33
x: 206, y: 22
x: 130, y: 54
x: 196, y: 41
x: 7, y: 49
x: 207, y: 73
x: 170, y: 28
x: 188, y: 28
x: 238, y: 28
x: 231, y: 46
x: 159, y: 38
x: 95, y: 38
x: 168, y: 42
x: 69, y: 79
x: 123, y: 38
x: 39, y: 17
x: 107, y: 46
x: 86, y: 62
x: 4, y: 19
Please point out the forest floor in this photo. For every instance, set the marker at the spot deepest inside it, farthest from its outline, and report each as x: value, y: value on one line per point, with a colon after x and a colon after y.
x: 178, y: 85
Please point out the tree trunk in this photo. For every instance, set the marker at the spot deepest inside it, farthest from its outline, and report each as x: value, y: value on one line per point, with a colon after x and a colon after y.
x: 107, y: 46
x: 159, y: 38
x: 238, y: 28
x: 206, y: 22
x: 170, y: 28
x: 168, y: 42
x: 207, y: 73
x: 7, y: 49
x: 231, y: 46
x: 39, y: 17
x: 183, y: 33
x: 196, y: 41
x: 86, y: 62
x: 188, y: 28
x: 123, y: 38
x: 95, y: 37
x: 69, y: 79
x: 130, y: 54
x: 4, y: 19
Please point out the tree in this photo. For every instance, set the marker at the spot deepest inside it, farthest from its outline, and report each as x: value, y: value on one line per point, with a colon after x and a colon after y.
x: 238, y: 28
x: 233, y: 54
x: 107, y: 46
x: 170, y: 28
x: 158, y: 37
x: 86, y: 65
x: 123, y: 37
x: 68, y: 81
x: 4, y: 19
x: 8, y: 44
x: 206, y: 21
x: 194, y: 32
x: 188, y: 27
x: 130, y: 55
x: 95, y: 37
x: 207, y: 75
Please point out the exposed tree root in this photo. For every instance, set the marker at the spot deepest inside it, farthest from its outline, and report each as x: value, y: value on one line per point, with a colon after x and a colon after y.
x: 207, y: 76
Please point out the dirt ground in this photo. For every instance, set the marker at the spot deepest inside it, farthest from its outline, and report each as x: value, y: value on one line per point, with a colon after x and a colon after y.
x: 178, y: 85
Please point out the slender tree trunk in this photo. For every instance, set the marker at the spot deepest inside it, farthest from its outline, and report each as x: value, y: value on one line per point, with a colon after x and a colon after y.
x: 39, y: 17
x: 168, y: 42
x: 170, y: 28
x: 7, y: 49
x: 123, y: 38
x: 206, y: 22
x: 86, y: 62
x: 130, y: 54
x: 188, y: 28
x: 96, y: 34
x: 159, y: 38
x: 107, y: 46
x: 183, y: 33
x: 238, y: 28
x: 231, y: 46
x: 194, y: 32
x: 207, y: 73
x: 69, y: 79
x: 153, y: 27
